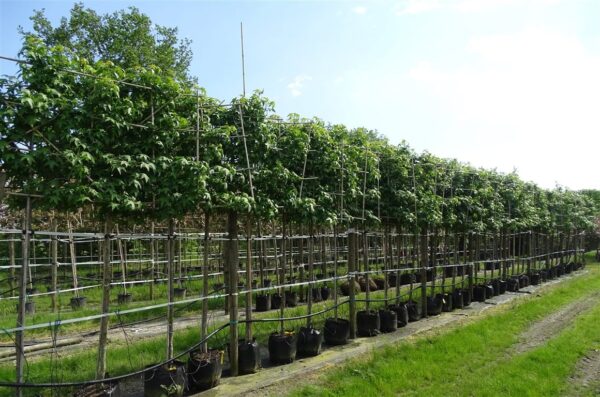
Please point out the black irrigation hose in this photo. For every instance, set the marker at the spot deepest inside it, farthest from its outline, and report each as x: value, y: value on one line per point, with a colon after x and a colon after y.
x: 114, y: 378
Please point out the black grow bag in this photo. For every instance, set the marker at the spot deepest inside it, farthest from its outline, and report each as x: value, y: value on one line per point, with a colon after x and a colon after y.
x: 282, y: 347
x: 309, y: 342
x: 388, y: 321
x: 325, y: 292
x: 496, y: 284
x: 275, y: 301
x: 179, y: 292
x: 204, y: 369
x: 569, y: 268
x: 124, y: 298
x: 263, y: 303
x: 457, y: 299
x: 248, y: 357
x: 316, y: 295
x: 367, y: 323
x: 401, y: 314
x: 336, y: 332
x: 479, y: 293
x: 77, y: 302
x: 512, y: 284
x: 29, y: 307
x: 291, y: 299
x: 523, y: 281
x: 408, y: 278
x: 448, y: 304
x: 435, y: 304
x: 415, y: 310
x: 170, y: 377
x: 502, y: 287
x: 489, y: 291
x: 534, y: 278
x: 467, y: 297
x: 380, y: 283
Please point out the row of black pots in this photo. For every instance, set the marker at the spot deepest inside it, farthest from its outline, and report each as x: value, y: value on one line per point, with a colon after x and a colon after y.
x: 266, y: 302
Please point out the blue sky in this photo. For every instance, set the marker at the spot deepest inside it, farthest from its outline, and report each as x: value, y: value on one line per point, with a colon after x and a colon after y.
x: 506, y: 84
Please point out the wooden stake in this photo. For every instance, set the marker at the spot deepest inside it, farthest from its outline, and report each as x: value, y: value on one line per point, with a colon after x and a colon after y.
x: 106, y: 279
x: 170, y: 259
x: 20, y: 335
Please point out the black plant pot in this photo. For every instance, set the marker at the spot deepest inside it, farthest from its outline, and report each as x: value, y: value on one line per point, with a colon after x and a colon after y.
x: 552, y: 273
x: 569, y: 268
x: 336, y: 332
x: 448, y: 303
x: 435, y: 304
x: 388, y: 321
x: 309, y: 342
x: 489, y: 291
x: 543, y: 275
x: 266, y: 282
x: 534, y: 278
x: 479, y: 293
x: 392, y: 279
x: 325, y: 293
x: 263, y: 303
x: 248, y: 357
x: 523, y: 281
x: 502, y: 287
x: 282, y: 347
x: 291, y: 298
x: 415, y: 310
x: 512, y: 284
x: 166, y: 380
x: 204, y: 369
x: 560, y: 270
x: 29, y: 307
x: 124, y: 298
x: 316, y: 295
x: 457, y: 299
x: 467, y: 297
x: 495, y: 283
x: 179, y: 292
x: 77, y: 302
x: 380, y: 283
x: 401, y: 314
x: 448, y: 271
x: 367, y: 323
x: 407, y: 278
x: 275, y: 301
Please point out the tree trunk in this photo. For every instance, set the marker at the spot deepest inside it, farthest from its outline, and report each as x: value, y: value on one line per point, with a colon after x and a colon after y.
x: 106, y: 279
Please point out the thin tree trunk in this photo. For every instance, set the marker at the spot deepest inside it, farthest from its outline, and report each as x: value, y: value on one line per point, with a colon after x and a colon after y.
x: 106, y: 279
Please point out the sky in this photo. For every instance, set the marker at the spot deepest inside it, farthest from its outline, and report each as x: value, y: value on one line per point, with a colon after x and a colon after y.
x: 504, y: 84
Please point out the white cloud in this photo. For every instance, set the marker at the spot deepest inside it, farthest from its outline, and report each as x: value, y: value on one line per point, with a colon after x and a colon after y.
x: 530, y: 100
x: 405, y: 7
x: 359, y: 10
x: 297, y: 84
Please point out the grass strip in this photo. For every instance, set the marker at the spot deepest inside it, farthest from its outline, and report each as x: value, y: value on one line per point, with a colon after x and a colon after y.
x: 449, y: 363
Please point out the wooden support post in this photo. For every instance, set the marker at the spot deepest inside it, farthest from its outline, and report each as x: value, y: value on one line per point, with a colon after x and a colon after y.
x: 249, y: 281
x: 231, y: 264
x: 424, y: 263
x: 13, y: 264
x: 352, y: 256
x: 205, y: 292
x: 20, y: 335
x: 170, y: 260
x: 106, y: 279
x: 54, y: 268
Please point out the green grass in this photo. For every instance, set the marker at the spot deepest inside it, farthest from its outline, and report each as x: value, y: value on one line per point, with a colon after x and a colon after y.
x: 473, y: 359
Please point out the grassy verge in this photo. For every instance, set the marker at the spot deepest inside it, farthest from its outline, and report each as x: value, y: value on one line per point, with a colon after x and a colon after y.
x: 472, y: 360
